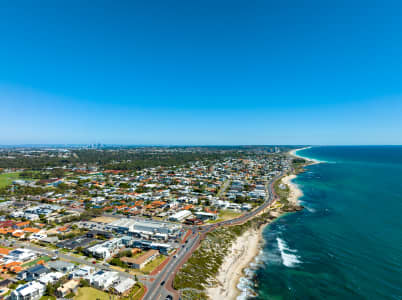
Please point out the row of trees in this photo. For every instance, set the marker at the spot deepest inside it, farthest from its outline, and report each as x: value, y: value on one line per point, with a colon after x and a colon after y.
x: 117, y: 159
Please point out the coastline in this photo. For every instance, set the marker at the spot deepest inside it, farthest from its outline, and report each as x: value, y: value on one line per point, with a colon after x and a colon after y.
x: 310, y: 160
x: 241, y: 253
x: 246, y: 247
x: 295, y: 193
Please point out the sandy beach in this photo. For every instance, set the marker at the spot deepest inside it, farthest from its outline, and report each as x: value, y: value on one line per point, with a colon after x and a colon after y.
x: 246, y: 247
x: 295, y: 193
x: 311, y: 160
x: 241, y: 253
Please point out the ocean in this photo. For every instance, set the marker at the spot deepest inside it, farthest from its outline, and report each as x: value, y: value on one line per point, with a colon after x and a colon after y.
x: 347, y: 242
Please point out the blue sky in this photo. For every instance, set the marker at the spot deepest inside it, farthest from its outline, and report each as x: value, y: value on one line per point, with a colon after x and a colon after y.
x: 201, y: 72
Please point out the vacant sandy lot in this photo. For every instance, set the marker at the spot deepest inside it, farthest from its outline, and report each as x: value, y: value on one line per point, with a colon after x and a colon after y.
x: 105, y: 220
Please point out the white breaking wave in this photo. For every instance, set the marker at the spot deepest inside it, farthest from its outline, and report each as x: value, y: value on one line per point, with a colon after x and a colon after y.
x: 289, y: 259
x: 305, y: 205
x: 246, y: 287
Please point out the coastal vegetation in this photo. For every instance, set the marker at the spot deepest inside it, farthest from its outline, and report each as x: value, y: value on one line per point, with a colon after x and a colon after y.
x: 200, y: 270
x: 298, y: 165
x: 282, y: 191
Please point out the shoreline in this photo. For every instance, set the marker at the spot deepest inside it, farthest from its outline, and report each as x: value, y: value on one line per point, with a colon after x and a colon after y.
x: 310, y: 160
x: 295, y: 193
x: 241, y: 253
x: 247, y: 247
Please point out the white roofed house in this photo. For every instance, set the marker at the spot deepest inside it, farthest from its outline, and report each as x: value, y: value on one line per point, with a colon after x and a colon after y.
x: 103, y: 279
x: 246, y: 206
x: 124, y: 285
x: 52, y: 277
x: 98, y: 200
x: 30, y: 291
x: 31, y: 217
x: 234, y: 206
x: 82, y: 272
x: 21, y: 255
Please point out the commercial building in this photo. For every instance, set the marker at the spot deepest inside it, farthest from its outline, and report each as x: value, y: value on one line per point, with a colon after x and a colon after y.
x: 180, y: 216
x: 131, y: 226
x: 105, y: 249
x: 206, y: 216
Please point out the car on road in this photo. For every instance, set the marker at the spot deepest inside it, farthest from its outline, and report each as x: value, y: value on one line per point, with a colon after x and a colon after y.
x: 168, y: 297
x: 163, y: 282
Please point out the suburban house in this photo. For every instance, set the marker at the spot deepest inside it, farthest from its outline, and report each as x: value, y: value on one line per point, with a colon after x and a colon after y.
x: 33, y: 290
x: 21, y: 255
x: 67, y: 288
x: 33, y: 273
x: 61, y: 266
x: 103, y: 279
x: 140, y: 262
x: 82, y: 272
x: 124, y: 286
x: 52, y: 277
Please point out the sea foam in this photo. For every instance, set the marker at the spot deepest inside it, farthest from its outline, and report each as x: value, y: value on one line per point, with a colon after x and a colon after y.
x: 289, y: 258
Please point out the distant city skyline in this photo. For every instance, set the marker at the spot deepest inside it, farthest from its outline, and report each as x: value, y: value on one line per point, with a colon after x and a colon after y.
x: 201, y: 73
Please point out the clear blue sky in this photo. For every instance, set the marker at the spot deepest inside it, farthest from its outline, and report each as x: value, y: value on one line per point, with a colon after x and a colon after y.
x: 201, y: 72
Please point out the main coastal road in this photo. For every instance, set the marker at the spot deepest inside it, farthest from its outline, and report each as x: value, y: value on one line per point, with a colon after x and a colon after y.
x: 162, y: 286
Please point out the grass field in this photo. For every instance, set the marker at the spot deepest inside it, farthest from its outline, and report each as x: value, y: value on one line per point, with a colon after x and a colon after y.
x: 7, y: 178
x: 88, y: 293
x: 225, y: 215
x: 48, y: 298
x: 149, y: 267
x: 34, y: 262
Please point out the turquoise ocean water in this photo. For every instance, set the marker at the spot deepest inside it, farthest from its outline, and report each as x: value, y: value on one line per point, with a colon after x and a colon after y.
x: 347, y: 242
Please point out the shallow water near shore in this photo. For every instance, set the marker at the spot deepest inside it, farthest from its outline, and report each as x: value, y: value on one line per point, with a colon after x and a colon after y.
x: 347, y: 242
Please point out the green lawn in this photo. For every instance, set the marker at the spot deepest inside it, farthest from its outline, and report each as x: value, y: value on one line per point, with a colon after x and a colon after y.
x: 225, y: 215
x: 48, y: 298
x: 34, y: 262
x: 88, y: 293
x: 8, y: 178
x: 149, y: 267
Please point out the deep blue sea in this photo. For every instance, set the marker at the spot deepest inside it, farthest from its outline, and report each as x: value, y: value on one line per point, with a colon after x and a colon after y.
x: 347, y: 242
